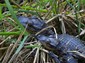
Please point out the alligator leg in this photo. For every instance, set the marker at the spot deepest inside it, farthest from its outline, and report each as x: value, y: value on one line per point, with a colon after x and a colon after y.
x: 69, y: 59
x: 65, y: 59
x: 55, y: 57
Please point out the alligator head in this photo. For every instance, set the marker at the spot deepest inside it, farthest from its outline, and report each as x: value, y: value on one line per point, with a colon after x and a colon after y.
x: 34, y: 24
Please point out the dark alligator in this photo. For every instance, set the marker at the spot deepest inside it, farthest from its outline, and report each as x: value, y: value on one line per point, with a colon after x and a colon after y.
x: 67, y: 48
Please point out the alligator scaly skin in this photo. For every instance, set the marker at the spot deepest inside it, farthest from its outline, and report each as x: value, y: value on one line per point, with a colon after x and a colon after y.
x: 64, y: 45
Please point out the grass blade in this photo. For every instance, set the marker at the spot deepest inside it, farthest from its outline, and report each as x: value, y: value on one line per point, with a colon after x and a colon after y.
x: 13, y: 15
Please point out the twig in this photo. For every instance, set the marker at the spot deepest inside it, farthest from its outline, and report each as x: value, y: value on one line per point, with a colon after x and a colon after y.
x: 43, y: 30
x: 15, y: 47
x: 7, y: 54
x: 4, y: 40
x: 29, y: 54
x: 37, y: 52
x: 58, y: 15
x: 62, y: 25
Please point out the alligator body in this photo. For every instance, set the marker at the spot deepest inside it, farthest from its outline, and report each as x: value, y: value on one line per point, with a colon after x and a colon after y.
x: 69, y: 48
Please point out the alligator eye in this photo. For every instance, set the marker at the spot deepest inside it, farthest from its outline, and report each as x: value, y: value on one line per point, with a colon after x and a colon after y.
x: 30, y: 25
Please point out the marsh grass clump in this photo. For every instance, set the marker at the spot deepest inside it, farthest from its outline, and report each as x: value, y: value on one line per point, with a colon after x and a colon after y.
x: 18, y: 45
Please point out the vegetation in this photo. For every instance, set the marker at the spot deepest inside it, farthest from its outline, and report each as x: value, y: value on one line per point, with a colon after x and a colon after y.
x: 67, y: 16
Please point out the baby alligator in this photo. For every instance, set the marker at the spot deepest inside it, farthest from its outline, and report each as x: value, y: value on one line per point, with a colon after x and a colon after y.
x: 64, y: 49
